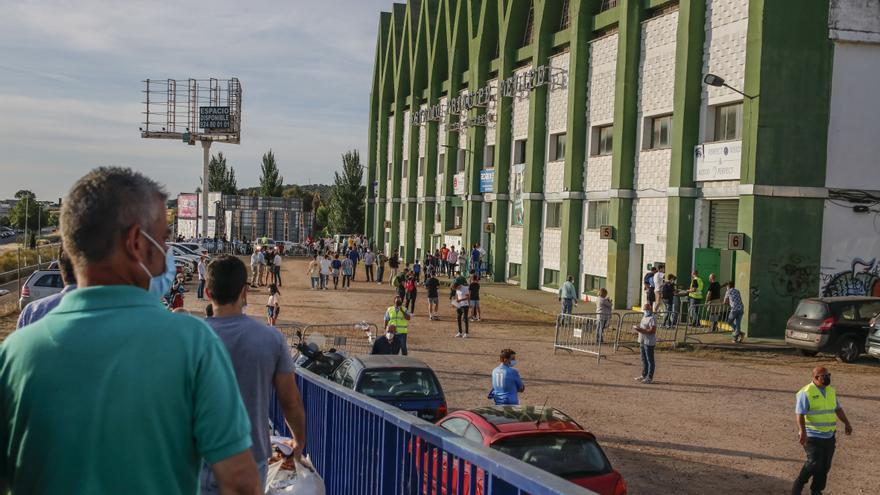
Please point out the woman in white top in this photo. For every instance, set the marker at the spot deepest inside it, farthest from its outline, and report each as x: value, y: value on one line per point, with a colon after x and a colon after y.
x: 273, y: 306
x: 462, y: 304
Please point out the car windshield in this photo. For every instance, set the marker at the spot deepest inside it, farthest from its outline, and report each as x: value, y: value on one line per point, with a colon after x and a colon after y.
x: 185, y: 249
x: 813, y: 310
x: 398, y: 383
x: 568, y: 456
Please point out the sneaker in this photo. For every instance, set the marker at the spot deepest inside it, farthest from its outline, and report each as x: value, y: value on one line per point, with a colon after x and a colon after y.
x: 464, y: 336
x: 639, y: 378
x: 458, y: 335
x: 647, y: 381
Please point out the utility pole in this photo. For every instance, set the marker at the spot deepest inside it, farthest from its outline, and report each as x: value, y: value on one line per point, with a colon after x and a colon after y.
x: 27, y: 209
x: 206, y: 147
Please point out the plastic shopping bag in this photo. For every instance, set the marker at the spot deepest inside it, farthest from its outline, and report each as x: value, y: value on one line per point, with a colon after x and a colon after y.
x: 305, y: 480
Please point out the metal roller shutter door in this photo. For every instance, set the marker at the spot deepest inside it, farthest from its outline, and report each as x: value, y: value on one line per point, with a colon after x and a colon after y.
x: 722, y: 220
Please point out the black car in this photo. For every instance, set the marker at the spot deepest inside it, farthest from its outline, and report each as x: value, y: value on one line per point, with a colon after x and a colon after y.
x: 401, y: 381
x: 835, y: 325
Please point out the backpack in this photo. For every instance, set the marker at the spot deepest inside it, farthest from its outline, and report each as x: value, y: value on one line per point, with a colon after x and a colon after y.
x: 410, y: 285
x: 667, y: 290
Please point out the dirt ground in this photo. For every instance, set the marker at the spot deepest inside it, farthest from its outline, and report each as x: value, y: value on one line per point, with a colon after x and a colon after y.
x: 713, y: 421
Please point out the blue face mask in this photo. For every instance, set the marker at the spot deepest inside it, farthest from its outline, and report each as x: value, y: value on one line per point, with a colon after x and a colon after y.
x: 512, y: 362
x: 161, y: 284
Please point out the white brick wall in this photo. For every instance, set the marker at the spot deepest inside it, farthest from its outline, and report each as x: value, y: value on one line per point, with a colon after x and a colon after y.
x: 551, y: 247
x: 462, y: 135
x: 649, y: 227
x: 554, y: 175
x: 390, y: 137
x: 656, y: 77
x: 724, y: 52
x: 521, y: 112
x: 514, y: 244
x: 419, y: 231
x: 441, y: 138
x: 388, y: 211
x: 595, y: 254
x: 557, y: 98
x: 403, y: 193
x: 603, y: 67
x: 423, y: 134
x: 598, y: 173
x: 600, y: 107
x: 492, y: 108
x: 420, y: 187
x: 437, y: 228
x: 557, y: 117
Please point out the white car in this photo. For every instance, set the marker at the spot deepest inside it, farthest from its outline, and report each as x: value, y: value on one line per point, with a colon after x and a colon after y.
x: 191, y: 247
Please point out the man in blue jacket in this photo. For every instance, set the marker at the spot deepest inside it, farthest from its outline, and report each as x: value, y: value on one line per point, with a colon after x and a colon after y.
x: 506, y: 383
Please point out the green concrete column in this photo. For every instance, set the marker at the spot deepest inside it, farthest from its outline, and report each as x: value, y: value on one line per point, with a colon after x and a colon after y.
x: 626, y: 122
x: 580, y: 34
x: 690, y: 37
x: 788, y: 72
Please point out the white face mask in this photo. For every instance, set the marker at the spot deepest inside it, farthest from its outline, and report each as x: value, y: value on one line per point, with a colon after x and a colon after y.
x: 389, y: 335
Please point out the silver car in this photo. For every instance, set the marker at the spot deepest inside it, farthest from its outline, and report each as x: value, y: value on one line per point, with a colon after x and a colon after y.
x: 42, y: 283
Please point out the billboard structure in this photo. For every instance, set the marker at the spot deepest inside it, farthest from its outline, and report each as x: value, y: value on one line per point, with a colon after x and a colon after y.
x: 187, y: 206
x: 190, y: 110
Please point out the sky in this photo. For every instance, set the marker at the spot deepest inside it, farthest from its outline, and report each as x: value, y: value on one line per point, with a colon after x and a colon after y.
x: 71, y: 77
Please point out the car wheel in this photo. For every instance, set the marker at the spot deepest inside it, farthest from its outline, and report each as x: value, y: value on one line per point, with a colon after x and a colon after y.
x: 806, y: 353
x: 849, y: 350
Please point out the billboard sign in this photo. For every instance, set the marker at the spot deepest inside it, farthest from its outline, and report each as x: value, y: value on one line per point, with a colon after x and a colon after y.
x: 187, y: 205
x: 214, y: 118
x: 487, y: 180
x: 458, y: 183
x: 717, y: 161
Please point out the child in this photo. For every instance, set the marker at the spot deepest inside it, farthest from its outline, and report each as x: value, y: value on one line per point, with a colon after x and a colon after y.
x: 273, y: 308
x: 604, y: 306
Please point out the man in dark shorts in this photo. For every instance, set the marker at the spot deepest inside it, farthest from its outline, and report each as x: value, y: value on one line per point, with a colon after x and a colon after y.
x: 474, y: 287
x: 432, y: 285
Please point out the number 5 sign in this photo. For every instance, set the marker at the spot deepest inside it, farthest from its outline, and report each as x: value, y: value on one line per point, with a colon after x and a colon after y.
x: 736, y: 241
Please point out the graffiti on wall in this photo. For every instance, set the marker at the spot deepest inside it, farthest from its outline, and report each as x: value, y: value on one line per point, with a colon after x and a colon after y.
x: 861, y: 279
x: 793, y: 277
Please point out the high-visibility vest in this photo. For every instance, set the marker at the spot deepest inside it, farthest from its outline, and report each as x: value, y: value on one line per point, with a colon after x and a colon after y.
x: 697, y: 294
x: 395, y: 317
x: 822, y: 416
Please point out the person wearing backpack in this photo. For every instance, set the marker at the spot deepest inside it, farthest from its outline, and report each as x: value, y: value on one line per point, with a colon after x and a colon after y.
x: 398, y: 284
x: 667, y: 295
x: 411, y: 289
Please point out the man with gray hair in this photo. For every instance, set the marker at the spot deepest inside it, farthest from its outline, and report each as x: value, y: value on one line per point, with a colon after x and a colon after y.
x: 110, y: 391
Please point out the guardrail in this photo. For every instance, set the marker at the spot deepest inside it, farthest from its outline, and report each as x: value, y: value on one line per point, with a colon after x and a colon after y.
x: 349, y: 338
x: 361, y: 446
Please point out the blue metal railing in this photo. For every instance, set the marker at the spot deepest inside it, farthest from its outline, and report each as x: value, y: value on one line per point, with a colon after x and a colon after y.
x: 362, y: 446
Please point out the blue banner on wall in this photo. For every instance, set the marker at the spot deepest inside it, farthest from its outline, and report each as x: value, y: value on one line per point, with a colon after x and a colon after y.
x: 487, y: 180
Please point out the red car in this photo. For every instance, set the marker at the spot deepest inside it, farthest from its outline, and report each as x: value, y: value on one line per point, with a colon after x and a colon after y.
x: 543, y: 437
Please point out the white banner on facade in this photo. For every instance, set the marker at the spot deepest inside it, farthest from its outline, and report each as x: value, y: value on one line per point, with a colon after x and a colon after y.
x: 717, y: 161
x: 458, y: 183
x: 517, y: 187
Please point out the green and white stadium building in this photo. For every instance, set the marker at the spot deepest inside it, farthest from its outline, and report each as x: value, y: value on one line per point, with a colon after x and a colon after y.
x: 582, y: 138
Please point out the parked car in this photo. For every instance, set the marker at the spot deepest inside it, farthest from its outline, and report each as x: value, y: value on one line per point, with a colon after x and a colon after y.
x: 541, y: 436
x: 873, y: 342
x: 834, y: 325
x: 191, y: 247
x: 402, y: 381
x: 41, y: 283
x: 264, y: 243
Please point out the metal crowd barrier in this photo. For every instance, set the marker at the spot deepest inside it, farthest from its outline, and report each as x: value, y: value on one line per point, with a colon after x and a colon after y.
x: 348, y: 338
x: 705, y: 319
x: 361, y: 446
x: 585, y: 332
x: 668, y: 326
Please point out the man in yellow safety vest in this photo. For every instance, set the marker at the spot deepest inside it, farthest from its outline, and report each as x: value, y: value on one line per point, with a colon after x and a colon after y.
x: 398, y: 317
x: 695, y: 299
x: 818, y: 410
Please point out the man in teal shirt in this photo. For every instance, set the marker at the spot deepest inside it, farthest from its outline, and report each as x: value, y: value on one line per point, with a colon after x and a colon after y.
x: 568, y: 295
x: 111, y: 393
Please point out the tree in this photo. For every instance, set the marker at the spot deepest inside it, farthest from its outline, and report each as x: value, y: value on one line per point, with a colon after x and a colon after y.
x: 28, y: 211
x: 320, y: 223
x: 347, y: 197
x: 24, y: 192
x: 220, y: 177
x: 271, y: 184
